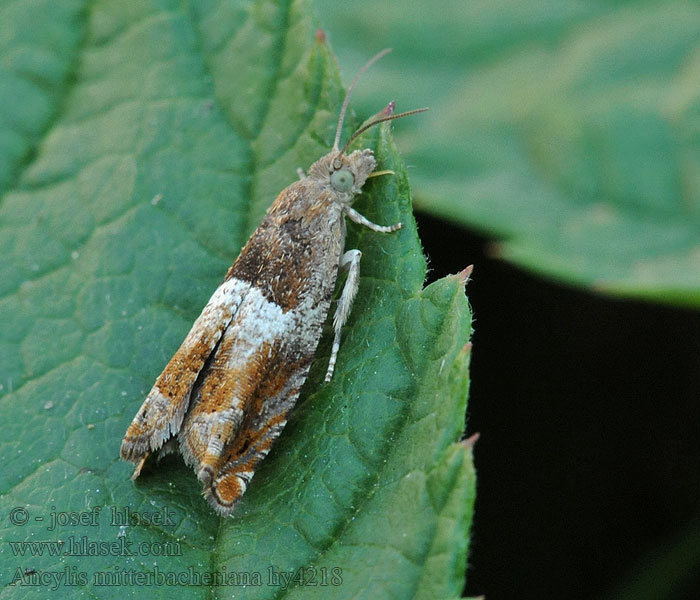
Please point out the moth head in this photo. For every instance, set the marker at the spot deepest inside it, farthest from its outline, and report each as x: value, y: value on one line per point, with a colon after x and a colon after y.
x: 345, y: 174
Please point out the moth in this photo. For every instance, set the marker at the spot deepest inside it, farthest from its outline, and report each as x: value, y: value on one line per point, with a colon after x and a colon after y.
x: 224, y: 397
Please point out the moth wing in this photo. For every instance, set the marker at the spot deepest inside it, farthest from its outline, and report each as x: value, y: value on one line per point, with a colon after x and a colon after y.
x: 249, y: 356
x: 262, y: 425
x: 162, y: 412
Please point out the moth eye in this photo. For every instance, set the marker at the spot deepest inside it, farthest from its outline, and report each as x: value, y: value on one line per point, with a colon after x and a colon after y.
x: 342, y: 180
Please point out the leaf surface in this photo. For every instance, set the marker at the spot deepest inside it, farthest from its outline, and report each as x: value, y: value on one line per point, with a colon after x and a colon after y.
x: 172, y: 130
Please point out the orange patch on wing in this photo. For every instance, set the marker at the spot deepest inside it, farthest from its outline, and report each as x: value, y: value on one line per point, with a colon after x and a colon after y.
x: 180, y: 373
x: 228, y: 490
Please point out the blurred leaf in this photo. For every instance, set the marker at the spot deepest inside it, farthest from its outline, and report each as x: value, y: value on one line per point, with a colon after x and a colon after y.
x: 165, y: 133
x: 568, y: 129
x: 669, y: 571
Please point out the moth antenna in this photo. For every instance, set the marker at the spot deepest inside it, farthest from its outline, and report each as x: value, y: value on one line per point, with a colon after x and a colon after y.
x: 364, y: 128
x: 346, y: 101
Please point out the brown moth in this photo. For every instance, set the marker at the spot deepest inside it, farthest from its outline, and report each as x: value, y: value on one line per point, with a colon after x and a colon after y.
x: 224, y: 397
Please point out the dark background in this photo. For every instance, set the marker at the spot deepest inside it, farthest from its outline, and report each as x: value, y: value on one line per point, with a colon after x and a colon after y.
x: 587, y: 465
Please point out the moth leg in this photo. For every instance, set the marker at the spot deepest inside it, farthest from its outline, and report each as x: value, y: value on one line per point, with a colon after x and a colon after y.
x: 139, y: 466
x: 349, y: 262
x: 356, y: 217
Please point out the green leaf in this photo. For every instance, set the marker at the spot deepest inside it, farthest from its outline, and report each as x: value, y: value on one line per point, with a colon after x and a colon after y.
x: 566, y: 129
x: 166, y: 133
